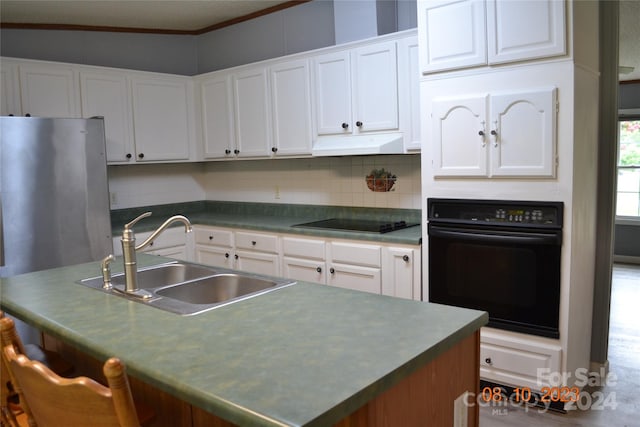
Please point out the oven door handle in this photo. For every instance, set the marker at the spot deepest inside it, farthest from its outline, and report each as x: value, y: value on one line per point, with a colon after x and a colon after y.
x: 512, y: 237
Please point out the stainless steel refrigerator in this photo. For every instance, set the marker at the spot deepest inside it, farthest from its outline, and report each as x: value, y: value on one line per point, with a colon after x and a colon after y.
x: 54, y: 196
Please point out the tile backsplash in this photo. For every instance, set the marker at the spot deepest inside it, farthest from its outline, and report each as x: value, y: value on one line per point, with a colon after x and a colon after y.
x: 333, y: 181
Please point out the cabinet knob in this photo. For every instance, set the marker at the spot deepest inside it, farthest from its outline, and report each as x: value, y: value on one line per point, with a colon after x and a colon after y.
x: 253, y: 242
x: 128, y: 156
x: 274, y: 149
x: 487, y: 361
x: 319, y: 269
x: 141, y: 156
x: 27, y: 115
x: 227, y: 151
x: 359, y: 124
x: 226, y: 255
x: 332, y: 270
x: 481, y: 132
x: 236, y: 256
x: 236, y: 151
x: 345, y: 125
x: 210, y: 237
x: 405, y: 258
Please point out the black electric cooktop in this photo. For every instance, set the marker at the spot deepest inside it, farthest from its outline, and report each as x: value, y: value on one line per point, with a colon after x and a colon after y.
x: 362, y: 225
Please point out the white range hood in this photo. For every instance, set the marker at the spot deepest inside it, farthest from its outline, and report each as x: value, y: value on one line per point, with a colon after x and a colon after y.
x: 342, y: 145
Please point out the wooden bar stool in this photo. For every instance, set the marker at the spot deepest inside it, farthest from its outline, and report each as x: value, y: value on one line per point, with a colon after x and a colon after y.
x: 50, y: 400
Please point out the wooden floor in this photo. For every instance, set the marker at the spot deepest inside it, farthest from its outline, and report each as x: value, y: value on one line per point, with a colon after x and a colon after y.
x: 624, y: 361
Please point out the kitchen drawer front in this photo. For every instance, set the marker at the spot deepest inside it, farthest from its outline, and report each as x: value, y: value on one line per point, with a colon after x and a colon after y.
x: 216, y: 256
x: 303, y: 248
x: 355, y: 254
x: 257, y: 242
x: 365, y: 279
x: 213, y: 236
x: 517, y: 363
x: 304, y: 269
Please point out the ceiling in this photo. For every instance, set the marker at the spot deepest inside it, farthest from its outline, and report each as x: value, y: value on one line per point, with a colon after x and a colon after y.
x: 188, y: 16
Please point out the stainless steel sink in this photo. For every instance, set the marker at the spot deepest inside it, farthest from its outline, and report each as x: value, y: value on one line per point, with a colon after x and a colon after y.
x: 218, y: 288
x: 185, y: 288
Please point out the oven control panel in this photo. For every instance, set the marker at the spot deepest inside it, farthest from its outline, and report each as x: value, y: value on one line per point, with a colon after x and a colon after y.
x: 496, y: 211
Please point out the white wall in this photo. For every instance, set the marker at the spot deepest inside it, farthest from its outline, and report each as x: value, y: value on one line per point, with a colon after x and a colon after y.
x: 155, y: 184
x: 336, y: 181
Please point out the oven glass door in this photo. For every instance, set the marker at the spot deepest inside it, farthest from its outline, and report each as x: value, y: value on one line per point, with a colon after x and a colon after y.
x: 513, y: 274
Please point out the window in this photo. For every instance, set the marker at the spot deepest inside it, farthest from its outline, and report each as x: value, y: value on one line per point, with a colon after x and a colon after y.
x: 628, y: 197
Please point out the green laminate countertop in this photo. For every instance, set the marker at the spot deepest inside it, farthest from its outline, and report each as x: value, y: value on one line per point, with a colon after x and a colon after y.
x: 304, y: 355
x: 277, y: 218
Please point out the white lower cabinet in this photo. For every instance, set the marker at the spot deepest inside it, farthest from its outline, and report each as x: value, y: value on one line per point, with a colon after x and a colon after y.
x: 387, y: 269
x: 304, y: 259
x: 507, y: 358
x: 355, y: 266
x: 214, y: 246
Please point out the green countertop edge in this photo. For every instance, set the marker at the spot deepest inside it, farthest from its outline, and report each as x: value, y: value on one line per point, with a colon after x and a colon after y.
x: 223, y: 408
x: 272, y: 217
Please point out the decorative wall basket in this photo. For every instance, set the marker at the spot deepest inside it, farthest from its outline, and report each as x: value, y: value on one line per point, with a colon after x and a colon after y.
x: 379, y: 180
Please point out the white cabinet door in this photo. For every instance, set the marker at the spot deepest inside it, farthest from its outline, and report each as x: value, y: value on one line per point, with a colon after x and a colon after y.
x: 525, y: 29
x: 332, y: 74
x: 258, y: 262
x: 459, y: 136
x: 107, y: 94
x: 409, y: 92
x: 375, y: 87
x: 162, y: 127
x: 452, y: 34
x: 359, y: 278
x: 9, y: 89
x: 401, y: 272
x: 217, y: 116
x: 308, y: 270
x: 523, y: 134
x: 252, y: 113
x: 215, y: 256
x: 291, y: 105
x: 49, y: 90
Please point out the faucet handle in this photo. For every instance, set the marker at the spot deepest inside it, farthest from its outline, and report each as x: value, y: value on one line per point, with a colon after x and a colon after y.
x: 132, y: 223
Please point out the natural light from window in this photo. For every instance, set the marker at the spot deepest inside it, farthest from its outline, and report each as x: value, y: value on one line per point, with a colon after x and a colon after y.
x: 628, y: 198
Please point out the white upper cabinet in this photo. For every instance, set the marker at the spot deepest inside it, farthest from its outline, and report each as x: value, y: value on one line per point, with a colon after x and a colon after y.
x: 466, y: 33
x: 291, y: 106
x: 161, y: 107
x: 409, y: 91
x: 500, y: 134
x: 107, y: 94
x: 357, y: 91
x: 525, y: 29
x: 523, y: 132
x: 333, y: 93
x: 452, y: 34
x: 217, y: 116
x: 9, y: 89
x: 252, y: 112
x: 49, y: 90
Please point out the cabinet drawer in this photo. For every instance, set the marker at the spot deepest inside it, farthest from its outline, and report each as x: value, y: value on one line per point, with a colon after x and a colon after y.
x: 517, y: 362
x: 214, y: 237
x: 303, y: 248
x: 365, y: 279
x: 257, y: 242
x: 355, y: 254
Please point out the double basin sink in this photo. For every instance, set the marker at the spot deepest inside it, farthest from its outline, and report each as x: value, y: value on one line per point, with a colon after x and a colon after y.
x: 185, y: 288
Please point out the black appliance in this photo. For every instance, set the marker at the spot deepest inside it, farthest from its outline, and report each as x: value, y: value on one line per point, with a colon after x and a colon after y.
x: 354, y: 224
x: 498, y: 256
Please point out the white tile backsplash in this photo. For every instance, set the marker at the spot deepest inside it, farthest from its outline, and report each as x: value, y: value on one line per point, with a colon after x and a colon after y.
x: 338, y: 181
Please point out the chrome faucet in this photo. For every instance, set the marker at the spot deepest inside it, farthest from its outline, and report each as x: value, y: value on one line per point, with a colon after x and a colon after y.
x: 129, y: 249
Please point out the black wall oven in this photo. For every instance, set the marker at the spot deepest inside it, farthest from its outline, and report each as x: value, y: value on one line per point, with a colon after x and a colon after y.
x: 499, y: 256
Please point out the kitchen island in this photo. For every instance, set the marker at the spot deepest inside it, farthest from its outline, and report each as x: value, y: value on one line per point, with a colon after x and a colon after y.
x: 304, y: 355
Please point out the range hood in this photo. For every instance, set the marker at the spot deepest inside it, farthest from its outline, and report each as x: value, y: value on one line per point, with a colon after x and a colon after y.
x: 343, y: 145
